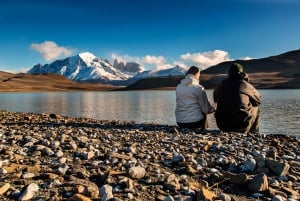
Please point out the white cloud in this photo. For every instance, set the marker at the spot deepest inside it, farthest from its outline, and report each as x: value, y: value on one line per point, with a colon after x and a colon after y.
x: 246, y: 58
x: 200, y: 59
x: 125, y: 58
x: 180, y: 63
x: 205, y: 59
x: 150, y: 59
x: 149, y: 62
x: 158, y: 62
x: 50, y: 50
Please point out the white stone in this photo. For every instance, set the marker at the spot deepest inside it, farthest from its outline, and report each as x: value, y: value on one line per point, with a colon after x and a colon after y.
x: 137, y: 172
x: 29, y: 192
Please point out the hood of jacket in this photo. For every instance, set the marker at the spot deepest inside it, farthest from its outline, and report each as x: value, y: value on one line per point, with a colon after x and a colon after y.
x: 189, y: 80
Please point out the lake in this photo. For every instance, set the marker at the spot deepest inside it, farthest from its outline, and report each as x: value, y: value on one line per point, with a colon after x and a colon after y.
x: 280, y: 110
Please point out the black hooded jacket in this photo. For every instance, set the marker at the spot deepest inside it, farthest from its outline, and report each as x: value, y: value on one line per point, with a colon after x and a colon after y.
x: 235, y: 97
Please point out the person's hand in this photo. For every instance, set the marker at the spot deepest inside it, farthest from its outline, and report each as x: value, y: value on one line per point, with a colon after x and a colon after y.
x: 214, y: 107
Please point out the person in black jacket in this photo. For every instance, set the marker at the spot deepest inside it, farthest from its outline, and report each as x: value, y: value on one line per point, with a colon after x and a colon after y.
x: 237, y: 102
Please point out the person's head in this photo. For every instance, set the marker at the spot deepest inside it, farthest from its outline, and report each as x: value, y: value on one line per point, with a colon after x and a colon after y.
x: 235, y: 69
x: 194, y: 70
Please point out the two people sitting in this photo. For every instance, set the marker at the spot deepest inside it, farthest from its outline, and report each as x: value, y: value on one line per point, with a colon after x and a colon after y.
x: 236, y: 100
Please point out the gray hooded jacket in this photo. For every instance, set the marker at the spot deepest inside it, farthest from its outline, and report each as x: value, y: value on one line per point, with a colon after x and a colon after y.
x: 191, y: 101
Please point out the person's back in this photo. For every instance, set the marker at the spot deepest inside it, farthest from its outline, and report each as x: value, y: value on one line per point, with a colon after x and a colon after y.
x: 192, y: 104
x: 237, y: 103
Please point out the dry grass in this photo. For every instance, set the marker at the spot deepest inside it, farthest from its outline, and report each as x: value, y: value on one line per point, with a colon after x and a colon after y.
x: 44, y: 82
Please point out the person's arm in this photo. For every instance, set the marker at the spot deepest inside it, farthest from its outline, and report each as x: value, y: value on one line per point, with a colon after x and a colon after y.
x: 255, y: 97
x: 249, y: 90
x: 205, y: 105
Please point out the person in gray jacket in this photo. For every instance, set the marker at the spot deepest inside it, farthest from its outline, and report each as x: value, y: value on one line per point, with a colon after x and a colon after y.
x: 192, y: 105
x: 237, y: 102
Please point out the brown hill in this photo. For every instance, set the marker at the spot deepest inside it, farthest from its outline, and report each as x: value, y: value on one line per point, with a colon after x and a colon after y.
x: 286, y: 64
x: 10, y: 82
x: 155, y: 83
x: 281, y: 71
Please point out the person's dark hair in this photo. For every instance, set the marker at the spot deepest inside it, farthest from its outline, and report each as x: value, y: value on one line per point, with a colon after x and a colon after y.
x: 193, y: 70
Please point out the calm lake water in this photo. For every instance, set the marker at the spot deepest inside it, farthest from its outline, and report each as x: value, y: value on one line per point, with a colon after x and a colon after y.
x: 280, y: 110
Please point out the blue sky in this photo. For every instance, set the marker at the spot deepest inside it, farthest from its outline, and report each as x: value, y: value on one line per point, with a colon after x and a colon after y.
x: 155, y: 33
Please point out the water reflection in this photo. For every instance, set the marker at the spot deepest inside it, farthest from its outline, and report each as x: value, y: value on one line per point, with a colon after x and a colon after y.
x: 280, y: 110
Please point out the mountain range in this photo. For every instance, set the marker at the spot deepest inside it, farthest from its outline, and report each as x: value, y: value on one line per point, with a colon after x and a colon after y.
x: 279, y: 71
x: 86, y: 67
x: 88, y: 72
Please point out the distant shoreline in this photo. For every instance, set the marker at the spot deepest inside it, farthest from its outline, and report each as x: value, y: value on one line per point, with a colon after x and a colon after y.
x: 52, y: 82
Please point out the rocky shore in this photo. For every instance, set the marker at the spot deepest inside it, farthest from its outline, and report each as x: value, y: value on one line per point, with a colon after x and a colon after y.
x: 53, y: 157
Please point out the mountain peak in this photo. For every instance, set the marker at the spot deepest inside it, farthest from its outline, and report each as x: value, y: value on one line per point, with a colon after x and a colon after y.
x: 87, y: 56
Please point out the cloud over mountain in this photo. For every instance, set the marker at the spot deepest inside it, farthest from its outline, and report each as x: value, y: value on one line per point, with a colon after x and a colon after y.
x: 201, y: 59
x: 149, y: 62
x: 205, y: 59
x: 50, y: 50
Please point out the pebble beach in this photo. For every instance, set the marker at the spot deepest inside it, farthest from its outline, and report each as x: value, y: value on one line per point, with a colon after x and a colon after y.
x: 50, y: 157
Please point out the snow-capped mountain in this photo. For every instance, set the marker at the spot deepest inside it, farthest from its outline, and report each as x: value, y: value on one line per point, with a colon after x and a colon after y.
x: 170, y: 72
x: 82, y: 67
x: 175, y: 71
x: 89, y: 68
